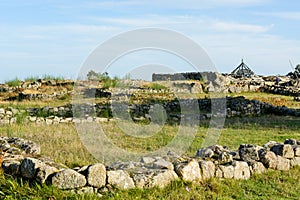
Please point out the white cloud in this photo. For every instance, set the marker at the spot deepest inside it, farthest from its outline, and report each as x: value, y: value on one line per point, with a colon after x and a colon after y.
x: 237, y: 27
x: 283, y: 15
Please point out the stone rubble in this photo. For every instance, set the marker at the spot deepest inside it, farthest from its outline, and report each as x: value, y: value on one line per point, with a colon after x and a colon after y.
x: 21, y: 158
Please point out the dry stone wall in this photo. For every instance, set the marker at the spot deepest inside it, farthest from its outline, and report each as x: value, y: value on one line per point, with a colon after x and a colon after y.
x: 235, y: 107
x: 21, y: 158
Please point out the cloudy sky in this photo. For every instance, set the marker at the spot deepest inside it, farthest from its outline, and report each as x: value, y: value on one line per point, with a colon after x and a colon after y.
x: 55, y: 37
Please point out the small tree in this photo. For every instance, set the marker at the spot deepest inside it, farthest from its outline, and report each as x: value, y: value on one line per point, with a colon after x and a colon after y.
x: 92, y: 75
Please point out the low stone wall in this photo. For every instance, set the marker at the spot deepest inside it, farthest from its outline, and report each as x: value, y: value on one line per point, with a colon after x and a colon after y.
x: 178, y: 76
x: 282, y: 90
x: 235, y: 107
x: 20, y: 158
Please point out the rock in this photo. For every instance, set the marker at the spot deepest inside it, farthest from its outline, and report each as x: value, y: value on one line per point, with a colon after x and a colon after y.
x: 269, y: 159
x: 297, y: 150
x: 95, y: 175
x: 224, y: 171
x: 120, y: 179
x: 282, y: 164
x: 205, y: 153
x: 249, y: 153
x: 142, y: 179
x: 67, y: 179
x: 4, y: 146
x: 13, y: 151
x: 148, y: 177
x: 162, y: 179
x: 27, y: 146
x: 2, y: 111
x: 9, y: 113
x: 44, y: 171
x: 219, y: 173
x: 284, y: 150
x: 208, y: 169
x: 11, y: 167
x: 49, y: 121
x: 257, y: 168
x: 32, y: 119
x: 163, y: 164
x: 290, y: 141
x: 225, y: 157
x: 270, y: 144
x: 147, y: 160
x: 188, y: 170
x: 13, y: 120
x: 125, y: 165
x: 241, y: 170
x: 295, y: 162
x: 29, y: 167
x: 218, y: 149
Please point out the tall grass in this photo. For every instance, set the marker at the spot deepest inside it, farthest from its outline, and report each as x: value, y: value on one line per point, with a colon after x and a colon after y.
x: 62, y: 143
x: 14, y: 82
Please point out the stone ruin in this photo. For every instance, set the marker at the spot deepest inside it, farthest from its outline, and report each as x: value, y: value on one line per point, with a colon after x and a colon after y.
x: 235, y: 107
x: 21, y: 158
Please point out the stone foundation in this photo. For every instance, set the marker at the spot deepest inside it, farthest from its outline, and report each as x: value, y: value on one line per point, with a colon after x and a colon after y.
x: 20, y: 158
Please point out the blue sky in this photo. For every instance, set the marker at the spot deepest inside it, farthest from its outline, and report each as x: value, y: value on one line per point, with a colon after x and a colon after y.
x: 55, y: 37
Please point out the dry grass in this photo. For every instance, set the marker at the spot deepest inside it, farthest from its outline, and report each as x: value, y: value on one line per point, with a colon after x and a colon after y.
x: 62, y: 142
x: 274, y: 99
x: 59, y: 142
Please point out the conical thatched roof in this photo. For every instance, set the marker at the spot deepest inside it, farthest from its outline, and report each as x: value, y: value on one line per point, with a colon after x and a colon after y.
x: 242, y: 71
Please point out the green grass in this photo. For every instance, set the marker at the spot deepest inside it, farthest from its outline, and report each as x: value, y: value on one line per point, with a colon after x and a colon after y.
x: 47, y: 77
x: 31, y: 78
x: 62, y: 143
x: 156, y: 86
x: 54, y: 139
x: 14, y: 82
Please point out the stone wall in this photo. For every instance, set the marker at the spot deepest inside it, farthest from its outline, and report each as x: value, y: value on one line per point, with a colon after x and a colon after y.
x: 235, y: 107
x: 282, y: 90
x: 21, y: 158
x: 178, y: 76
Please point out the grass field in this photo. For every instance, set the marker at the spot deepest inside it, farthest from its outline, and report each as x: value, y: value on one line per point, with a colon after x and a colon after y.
x: 62, y: 143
